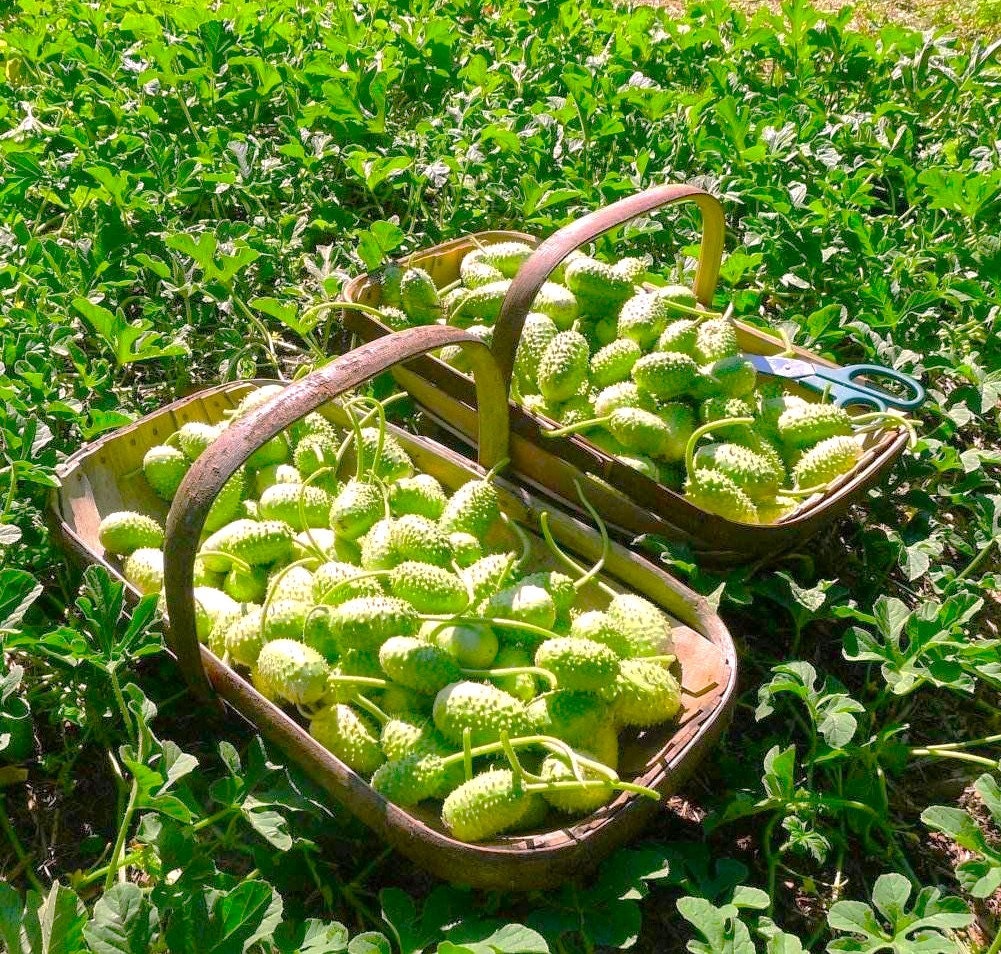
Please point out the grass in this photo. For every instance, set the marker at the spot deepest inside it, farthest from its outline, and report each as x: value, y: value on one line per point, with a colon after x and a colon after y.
x: 181, y: 183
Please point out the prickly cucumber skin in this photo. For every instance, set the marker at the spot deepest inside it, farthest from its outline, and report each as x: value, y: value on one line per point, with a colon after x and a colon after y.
x: 582, y: 801
x: 484, y: 709
x: 473, y: 646
x: 318, y: 543
x: 466, y: 549
x: 227, y: 504
x: 564, y: 366
x: 393, y: 462
x: 377, y: 552
x: 355, y: 509
x: 366, y: 622
x: 395, y: 319
x: 569, y: 715
x: 522, y: 685
x: 212, y: 607
x: 598, y: 626
x: 126, y: 531
x: 642, y: 625
x: 349, y: 736
x: 194, y: 437
x: 481, y: 306
x: 296, y: 672
x: 558, y: 303
x: 428, y: 588
x: 525, y: 603
x: 421, y: 495
x: 424, y: 541
x: 752, y: 473
x: 720, y: 408
x: 475, y: 273
x: 417, y: 665
x: 827, y: 461
x: 536, y: 334
x: 411, y: 779
x: 506, y: 257
x: 473, y: 509
x: 298, y: 505
x: 313, y: 453
x: 275, y: 474
x: 623, y: 394
x: 143, y: 568
x: 713, y: 491
x: 397, y: 700
x: 291, y: 583
x: 732, y: 377
x: 275, y: 451
x: 640, y: 431
x: 254, y: 399
x: 644, y: 694
x: 716, y: 339
x: 243, y: 638
x: 574, y: 410
x: 558, y: 585
x: 680, y: 421
x: 680, y: 337
x: 488, y: 574
x: 808, y: 424
x: 253, y: 541
x: 164, y: 468
x: 389, y: 284
x: 599, y: 290
x: 643, y: 319
x: 486, y: 805
x: 405, y: 735
x: 578, y: 664
x: 419, y: 297
x: 614, y: 362
x: 665, y: 374
x: 631, y: 269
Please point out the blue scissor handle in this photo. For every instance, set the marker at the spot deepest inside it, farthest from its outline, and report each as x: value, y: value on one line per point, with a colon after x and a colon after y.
x: 845, y: 389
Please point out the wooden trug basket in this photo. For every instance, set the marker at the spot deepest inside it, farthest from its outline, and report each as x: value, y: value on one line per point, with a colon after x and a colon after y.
x: 106, y: 476
x: 631, y: 502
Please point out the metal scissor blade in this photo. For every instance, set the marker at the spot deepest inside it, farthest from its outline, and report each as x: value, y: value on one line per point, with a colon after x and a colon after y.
x: 781, y: 367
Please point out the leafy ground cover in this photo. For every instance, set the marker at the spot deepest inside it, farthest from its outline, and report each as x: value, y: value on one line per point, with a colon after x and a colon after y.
x: 182, y: 181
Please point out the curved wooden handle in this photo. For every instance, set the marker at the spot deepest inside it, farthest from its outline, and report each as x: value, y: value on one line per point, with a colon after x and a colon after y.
x: 559, y: 245
x: 230, y: 451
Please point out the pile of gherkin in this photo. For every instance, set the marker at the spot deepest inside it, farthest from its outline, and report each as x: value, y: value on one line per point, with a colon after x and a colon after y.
x: 649, y: 376
x: 417, y: 631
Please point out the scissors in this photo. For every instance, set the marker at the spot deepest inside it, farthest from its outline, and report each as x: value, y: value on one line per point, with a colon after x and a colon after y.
x: 841, y: 383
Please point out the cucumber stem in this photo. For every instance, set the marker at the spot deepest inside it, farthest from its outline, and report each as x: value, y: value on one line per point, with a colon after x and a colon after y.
x: 564, y: 558
x: 700, y: 432
x: 602, y: 530
x: 543, y: 674
x: 371, y: 708
x: 574, y: 428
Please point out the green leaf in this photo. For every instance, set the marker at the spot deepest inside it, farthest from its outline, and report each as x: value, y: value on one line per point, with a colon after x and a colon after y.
x: 128, y: 341
x: 245, y: 915
x: 18, y: 590
x: 54, y: 924
x: 124, y: 922
x: 371, y: 942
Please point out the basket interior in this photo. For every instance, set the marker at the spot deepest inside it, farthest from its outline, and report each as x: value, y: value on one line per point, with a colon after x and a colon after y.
x: 442, y: 263
x: 107, y: 476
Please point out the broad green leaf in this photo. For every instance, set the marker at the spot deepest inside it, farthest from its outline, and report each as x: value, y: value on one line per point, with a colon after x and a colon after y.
x: 124, y: 922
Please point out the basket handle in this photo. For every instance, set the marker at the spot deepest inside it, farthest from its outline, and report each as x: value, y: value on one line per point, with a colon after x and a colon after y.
x: 230, y: 451
x: 549, y: 254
